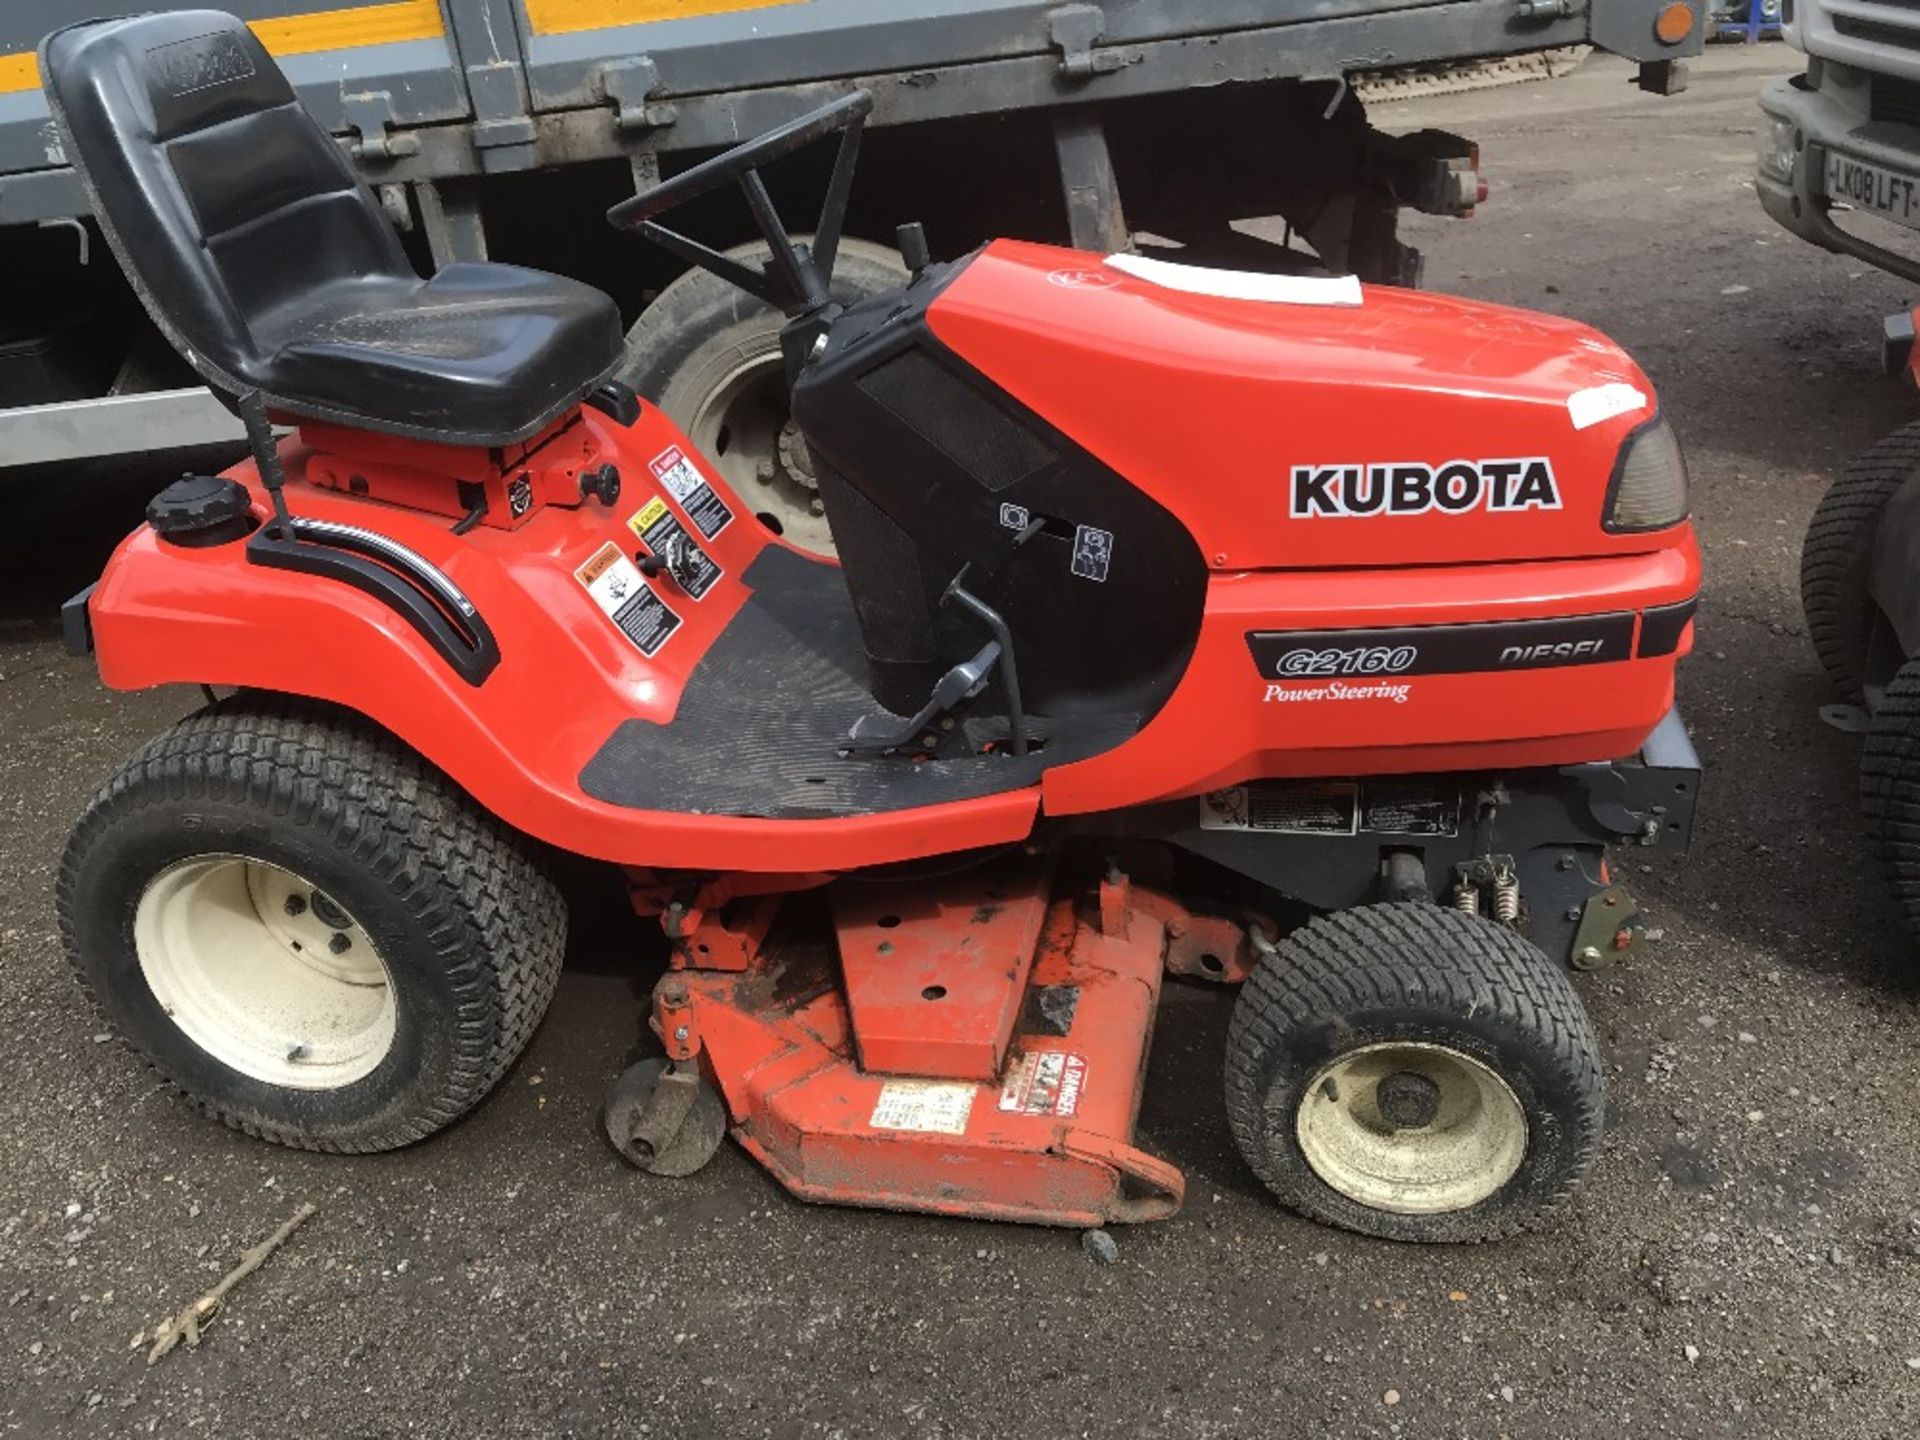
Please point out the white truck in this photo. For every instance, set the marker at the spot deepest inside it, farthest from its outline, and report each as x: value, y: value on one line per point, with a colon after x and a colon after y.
x: 507, y: 127
x: 1839, y: 144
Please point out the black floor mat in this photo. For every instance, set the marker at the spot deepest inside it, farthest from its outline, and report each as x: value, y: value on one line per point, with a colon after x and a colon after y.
x: 759, y: 730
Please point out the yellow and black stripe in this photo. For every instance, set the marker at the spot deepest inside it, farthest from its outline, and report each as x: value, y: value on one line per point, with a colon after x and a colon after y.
x: 357, y: 26
x: 350, y: 28
x: 567, y: 17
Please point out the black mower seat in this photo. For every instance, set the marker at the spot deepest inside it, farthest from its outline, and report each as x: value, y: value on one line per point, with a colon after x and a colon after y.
x: 765, y: 712
x: 270, y: 265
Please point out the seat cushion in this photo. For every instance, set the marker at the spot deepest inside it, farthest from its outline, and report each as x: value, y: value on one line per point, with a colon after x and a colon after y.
x: 271, y: 266
x: 479, y: 354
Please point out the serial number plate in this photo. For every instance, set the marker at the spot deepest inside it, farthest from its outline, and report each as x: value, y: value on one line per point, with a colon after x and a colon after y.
x: 1875, y: 190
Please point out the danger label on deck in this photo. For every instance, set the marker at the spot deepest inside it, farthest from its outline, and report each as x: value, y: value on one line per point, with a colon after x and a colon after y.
x: 1044, y: 1082
x: 936, y: 1106
x: 663, y: 535
x: 689, y: 488
x: 622, y: 592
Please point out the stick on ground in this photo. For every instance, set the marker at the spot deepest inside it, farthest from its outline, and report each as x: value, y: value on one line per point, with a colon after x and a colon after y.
x: 188, y: 1323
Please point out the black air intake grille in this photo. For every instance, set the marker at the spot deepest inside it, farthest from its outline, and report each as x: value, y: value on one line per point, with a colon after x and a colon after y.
x: 1876, y: 32
x: 1896, y: 100
x: 966, y: 426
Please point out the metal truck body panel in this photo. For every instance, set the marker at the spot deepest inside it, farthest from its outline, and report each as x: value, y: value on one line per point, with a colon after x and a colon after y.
x: 438, y: 100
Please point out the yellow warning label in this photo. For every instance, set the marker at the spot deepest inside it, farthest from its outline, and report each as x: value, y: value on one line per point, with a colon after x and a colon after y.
x: 644, y: 520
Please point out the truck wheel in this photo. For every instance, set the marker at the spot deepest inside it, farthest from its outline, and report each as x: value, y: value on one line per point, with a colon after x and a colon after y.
x: 1414, y: 1073
x: 306, y: 929
x: 1890, y: 788
x: 709, y: 355
x: 1834, y: 557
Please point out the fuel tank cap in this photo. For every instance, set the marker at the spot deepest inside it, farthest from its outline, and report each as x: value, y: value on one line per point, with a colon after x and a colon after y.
x: 201, y: 510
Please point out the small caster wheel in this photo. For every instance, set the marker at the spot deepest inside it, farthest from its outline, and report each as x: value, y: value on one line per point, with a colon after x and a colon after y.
x: 664, y: 1118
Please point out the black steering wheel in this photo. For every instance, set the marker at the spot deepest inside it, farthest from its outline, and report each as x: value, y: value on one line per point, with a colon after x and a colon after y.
x: 797, y: 279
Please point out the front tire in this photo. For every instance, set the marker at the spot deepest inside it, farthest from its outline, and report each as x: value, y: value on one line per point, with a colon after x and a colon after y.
x: 306, y: 929
x: 1414, y: 1073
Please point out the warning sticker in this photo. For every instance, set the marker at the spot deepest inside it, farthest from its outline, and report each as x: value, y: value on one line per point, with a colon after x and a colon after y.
x: 1092, y: 553
x: 619, y: 589
x: 1411, y: 812
x: 1044, y: 1082
x: 937, y: 1106
x: 662, y: 533
x: 685, y: 483
x: 1332, y: 809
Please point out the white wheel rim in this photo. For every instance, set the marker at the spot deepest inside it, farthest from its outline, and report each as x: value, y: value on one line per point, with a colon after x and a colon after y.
x: 1473, y: 1138
x: 264, y: 972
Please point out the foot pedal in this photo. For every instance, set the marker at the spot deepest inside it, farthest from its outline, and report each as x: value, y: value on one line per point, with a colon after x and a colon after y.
x: 886, y: 732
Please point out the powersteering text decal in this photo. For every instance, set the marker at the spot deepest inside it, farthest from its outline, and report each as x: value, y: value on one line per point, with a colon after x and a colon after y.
x: 1408, y: 488
x: 1367, y: 664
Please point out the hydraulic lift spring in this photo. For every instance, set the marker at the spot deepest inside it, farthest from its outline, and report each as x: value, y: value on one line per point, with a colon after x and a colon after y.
x: 1491, y: 878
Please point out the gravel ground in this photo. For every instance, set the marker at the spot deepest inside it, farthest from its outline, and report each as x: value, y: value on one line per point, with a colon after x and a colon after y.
x: 1746, y: 1261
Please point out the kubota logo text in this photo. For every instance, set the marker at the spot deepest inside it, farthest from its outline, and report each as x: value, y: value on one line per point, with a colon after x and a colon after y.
x: 1455, y: 488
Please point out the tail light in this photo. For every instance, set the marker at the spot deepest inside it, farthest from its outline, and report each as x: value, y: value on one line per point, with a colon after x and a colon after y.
x: 1649, y: 486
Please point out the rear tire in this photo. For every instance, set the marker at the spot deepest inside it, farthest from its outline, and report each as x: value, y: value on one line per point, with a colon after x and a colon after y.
x: 1414, y: 1073
x: 1835, y: 555
x: 708, y: 354
x: 308, y: 931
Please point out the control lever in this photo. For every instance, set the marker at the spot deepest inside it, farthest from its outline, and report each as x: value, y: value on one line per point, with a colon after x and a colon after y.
x: 878, y: 734
x: 1003, y: 643
x: 912, y: 239
x: 677, y: 561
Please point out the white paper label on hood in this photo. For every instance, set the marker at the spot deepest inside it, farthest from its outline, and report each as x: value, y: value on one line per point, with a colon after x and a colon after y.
x: 1241, y: 284
x: 1602, y: 402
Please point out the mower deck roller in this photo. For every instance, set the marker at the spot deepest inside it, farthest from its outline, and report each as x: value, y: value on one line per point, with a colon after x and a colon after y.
x: 1353, y: 607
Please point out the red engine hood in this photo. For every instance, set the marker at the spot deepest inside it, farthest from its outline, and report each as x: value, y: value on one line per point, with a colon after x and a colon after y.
x: 1412, y: 428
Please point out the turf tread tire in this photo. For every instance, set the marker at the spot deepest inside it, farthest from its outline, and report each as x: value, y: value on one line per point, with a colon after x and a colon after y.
x: 1407, y: 959
x: 1890, y: 788
x: 477, y: 906
x: 1836, y: 551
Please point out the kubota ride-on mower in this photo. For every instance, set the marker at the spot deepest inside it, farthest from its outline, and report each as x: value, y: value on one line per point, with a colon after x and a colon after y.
x: 1172, y: 604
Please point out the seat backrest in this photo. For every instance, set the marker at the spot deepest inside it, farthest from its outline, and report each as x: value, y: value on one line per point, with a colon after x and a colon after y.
x: 217, y: 190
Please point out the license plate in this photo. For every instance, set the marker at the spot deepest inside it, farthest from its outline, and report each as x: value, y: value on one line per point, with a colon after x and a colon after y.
x: 1875, y: 190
